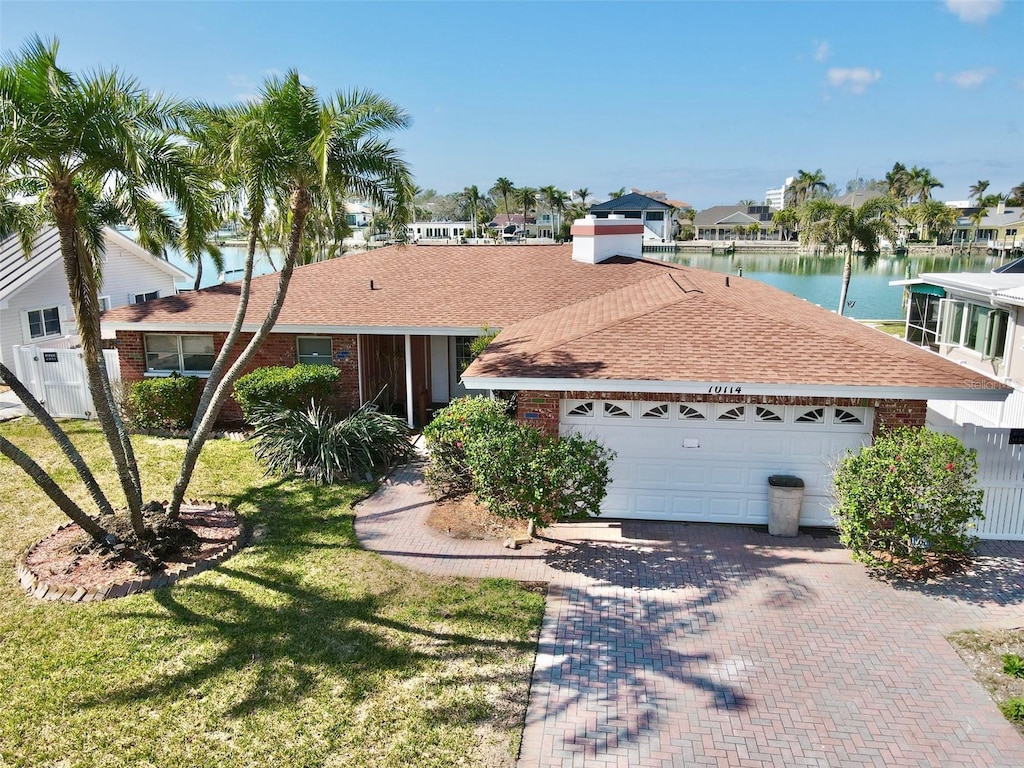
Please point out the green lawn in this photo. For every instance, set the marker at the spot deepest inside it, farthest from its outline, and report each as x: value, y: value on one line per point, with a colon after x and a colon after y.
x: 301, y: 650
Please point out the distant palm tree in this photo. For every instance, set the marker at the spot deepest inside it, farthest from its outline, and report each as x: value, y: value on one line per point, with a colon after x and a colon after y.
x: 932, y: 214
x: 527, y: 197
x: 746, y: 202
x: 1016, y: 195
x: 788, y: 219
x: 922, y: 182
x: 620, y: 192
x: 977, y: 191
x: 976, y: 219
x: 833, y: 225
x: 808, y: 185
x: 582, y: 193
x: 471, y: 199
x: 504, y: 188
x: 898, y: 182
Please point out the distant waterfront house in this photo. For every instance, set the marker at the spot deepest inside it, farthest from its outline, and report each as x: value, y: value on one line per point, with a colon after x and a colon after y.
x: 438, y: 231
x: 1000, y: 230
x: 34, y: 304
x: 734, y: 222
x: 358, y: 215
x: 655, y: 215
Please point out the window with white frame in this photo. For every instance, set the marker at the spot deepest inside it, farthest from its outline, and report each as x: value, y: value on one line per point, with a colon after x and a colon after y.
x: 314, y: 350
x: 974, y: 326
x: 104, y: 303
x: 43, y: 323
x: 166, y: 353
x: 138, y: 298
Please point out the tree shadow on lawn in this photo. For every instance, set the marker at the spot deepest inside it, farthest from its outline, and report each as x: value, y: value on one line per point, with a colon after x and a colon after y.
x: 308, y: 603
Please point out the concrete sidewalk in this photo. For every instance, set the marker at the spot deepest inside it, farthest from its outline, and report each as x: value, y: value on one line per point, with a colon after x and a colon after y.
x: 671, y: 644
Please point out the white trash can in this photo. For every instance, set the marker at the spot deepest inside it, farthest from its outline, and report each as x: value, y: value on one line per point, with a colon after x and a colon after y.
x: 785, y: 497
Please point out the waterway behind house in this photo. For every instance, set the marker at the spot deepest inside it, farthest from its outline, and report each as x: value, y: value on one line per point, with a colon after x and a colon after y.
x: 815, y: 278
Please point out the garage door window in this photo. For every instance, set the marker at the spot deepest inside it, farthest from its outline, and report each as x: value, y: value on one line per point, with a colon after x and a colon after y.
x: 690, y: 413
x: 580, y: 408
x: 810, y: 416
x: 737, y: 413
x: 617, y: 410
x: 659, y: 411
x: 849, y: 416
x: 768, y: 414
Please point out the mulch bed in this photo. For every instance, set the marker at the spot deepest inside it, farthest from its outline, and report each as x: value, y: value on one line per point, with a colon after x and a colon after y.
x: 463, y: 517
x: 66, y: 566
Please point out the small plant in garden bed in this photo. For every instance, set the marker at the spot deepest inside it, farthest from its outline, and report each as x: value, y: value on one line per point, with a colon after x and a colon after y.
x: 905, y: 505
x: 1013, y: 709
x: 1013, y: 665
x: 315, y: 444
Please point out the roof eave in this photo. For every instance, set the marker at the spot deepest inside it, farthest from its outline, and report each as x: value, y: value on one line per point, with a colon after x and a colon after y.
x: 888, y: 392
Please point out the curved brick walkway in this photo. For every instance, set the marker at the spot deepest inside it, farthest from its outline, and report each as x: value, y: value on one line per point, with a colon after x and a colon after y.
x: 690, y: 645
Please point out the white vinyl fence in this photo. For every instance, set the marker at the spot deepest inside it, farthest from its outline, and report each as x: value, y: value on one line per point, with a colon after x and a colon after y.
x: 986, y: 428
x: 56, y: 377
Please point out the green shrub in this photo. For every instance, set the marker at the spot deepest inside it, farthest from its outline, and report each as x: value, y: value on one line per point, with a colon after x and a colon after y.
x: 519, y: 472
x: 279, y: 386
x: 1013, y: 709
x: 166, y: 403
x: 906, y: 503
x: 1013, y: 665
x: 315, y: 444
x: 447, y: 434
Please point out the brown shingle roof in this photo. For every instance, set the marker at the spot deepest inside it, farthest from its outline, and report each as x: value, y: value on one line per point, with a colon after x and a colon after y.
x: 688, y: 326
x: 624, y: 319
x: 414, y: 287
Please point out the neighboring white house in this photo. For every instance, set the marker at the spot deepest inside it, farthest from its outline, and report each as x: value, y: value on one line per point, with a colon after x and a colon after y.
x: 34, y: 305
x: 976, y: 319
x: 655, y: 215
x: 438, y: 232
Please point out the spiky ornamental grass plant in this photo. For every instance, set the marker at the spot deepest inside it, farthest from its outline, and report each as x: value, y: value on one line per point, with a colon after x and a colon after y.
x: 315, y: 444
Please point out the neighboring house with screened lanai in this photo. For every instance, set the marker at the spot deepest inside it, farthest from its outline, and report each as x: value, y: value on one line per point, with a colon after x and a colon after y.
x: 34, y: 306
x: 704, y: 384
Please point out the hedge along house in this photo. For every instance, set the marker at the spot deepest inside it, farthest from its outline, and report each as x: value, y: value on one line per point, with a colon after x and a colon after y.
x: 704, y: 384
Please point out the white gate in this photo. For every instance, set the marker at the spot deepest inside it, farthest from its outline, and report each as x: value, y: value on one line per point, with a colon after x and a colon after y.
x: 1000, y: 471
x: 57, y: 378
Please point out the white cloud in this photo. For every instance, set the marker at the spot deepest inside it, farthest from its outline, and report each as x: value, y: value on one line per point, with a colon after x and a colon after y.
x: 855, y: 79
x: 974, y: 11
x: 821, y: 50
x: 971, y: 78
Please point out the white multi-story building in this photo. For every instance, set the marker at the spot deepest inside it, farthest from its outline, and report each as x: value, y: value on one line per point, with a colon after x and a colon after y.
x: 776, y: 198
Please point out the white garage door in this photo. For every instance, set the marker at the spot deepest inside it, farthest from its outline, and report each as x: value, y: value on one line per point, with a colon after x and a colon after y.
x: 710, y: 462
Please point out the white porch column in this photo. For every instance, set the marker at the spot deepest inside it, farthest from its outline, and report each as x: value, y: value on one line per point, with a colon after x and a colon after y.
x: 408, y: 378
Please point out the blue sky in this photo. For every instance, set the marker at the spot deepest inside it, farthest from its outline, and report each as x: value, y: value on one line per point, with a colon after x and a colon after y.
x: 711, y: 102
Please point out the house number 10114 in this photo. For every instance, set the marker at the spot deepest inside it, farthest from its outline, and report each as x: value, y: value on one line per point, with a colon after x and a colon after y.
x: 724, y: 389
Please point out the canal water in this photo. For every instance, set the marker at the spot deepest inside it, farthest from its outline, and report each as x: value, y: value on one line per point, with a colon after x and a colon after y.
x: 818, y: 278
x: 815, y: 278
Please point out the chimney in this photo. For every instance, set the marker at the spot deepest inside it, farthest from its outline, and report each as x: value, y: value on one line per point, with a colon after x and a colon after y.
x: 1001, y: 208
x: 594, y: 240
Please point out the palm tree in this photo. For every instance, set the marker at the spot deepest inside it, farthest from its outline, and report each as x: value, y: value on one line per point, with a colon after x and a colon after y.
x: 977, y: 191
x: 1016, y: 196
x: 976, y: 219
x: 620, y: 192
x: 527, y: 197
x: 471, y: 199
x: 808, y: 185
x: 90, y: 149
x: 788, y: 219
x: 898, y: 182
x: 582, y: 193
x: 504, y: 188
x: 931, y: 214
x: 304, y: 154
x: 554, y: 198
x: 833, y: 225
x: 922, y: 183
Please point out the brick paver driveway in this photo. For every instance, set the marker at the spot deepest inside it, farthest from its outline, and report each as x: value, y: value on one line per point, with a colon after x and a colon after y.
x: 679, y: 645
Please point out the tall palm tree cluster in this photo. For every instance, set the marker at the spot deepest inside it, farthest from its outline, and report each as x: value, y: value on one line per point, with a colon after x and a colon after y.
x: 84, y: 152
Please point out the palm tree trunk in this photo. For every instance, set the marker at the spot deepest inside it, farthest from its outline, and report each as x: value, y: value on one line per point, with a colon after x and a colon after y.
x: 51, y: 489
x: 847, y: 273
x: 199, y: 273
x: 81, y: 276
x: 195, y: 442
x: 300, y: 205
x: 59, y: 437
